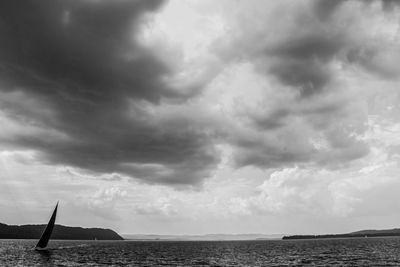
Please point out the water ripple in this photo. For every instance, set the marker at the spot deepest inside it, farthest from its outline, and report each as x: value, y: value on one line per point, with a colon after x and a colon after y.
x: 328, y: 252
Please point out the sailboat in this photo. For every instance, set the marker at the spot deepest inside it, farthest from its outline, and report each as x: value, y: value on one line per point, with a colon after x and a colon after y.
x: 44, y: 239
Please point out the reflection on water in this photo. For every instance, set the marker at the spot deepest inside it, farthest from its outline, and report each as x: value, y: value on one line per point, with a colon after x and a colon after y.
x: 329, y: 252
x: 45, y: 255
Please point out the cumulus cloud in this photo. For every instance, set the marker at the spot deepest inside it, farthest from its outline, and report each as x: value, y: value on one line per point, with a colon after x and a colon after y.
x: 362, y: 188
x: 161, y: 206
x: 103, y: 201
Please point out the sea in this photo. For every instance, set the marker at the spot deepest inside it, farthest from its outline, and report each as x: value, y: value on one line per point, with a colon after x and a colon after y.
x: 320, y: 252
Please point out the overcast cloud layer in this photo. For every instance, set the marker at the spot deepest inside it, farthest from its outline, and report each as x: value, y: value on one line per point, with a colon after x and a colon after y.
x: 265, y: 107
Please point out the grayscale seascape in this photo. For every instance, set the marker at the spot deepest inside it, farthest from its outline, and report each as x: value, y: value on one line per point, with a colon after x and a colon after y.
x: 199, y: 133
x: 323, y: 252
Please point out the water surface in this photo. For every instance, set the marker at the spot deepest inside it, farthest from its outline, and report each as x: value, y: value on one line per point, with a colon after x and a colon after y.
x: 323, y: 252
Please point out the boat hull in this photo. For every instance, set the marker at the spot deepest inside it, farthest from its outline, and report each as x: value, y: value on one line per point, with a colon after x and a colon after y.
x: 40, y: 249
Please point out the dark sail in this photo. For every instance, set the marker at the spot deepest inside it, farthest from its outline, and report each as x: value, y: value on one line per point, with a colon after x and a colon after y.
x: 44, y: 239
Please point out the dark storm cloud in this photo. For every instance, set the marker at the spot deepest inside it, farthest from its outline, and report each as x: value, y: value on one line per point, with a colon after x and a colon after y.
x: 80, y: 60
x: 273, y: 120
x: 302, y: 55
x: 377, y: 56
x: 389, y: 4
x: 84, y: 45
x: 273, y: 155
x: 304, y: 47
x: 380, y: 60
x: 324, y: 8
x: 302, y: 59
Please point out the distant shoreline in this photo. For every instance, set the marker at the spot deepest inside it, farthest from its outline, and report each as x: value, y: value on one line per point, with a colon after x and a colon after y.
x: 358, y: 234
x: 200, y: 240
x: 206, y: 237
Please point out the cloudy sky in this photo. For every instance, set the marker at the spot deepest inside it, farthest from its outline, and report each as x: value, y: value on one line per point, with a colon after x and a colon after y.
x: 201, y: 116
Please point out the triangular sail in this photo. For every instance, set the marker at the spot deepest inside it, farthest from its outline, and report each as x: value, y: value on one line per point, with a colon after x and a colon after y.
x: 44, y: 239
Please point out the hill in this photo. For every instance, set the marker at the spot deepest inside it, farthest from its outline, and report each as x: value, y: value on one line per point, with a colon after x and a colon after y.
x: 362, y: 233
x: 395, y: 231
x: 60, y: 232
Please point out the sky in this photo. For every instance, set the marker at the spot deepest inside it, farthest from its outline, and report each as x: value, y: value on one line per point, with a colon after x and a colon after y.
x: 201, y: 116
